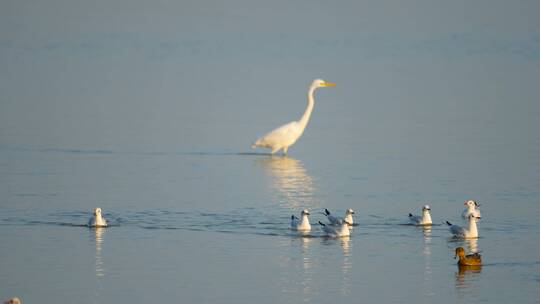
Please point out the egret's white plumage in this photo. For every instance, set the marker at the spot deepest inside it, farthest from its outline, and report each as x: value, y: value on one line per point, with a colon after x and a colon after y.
x: 97, y: 220
x: 334, y: 219
x: 301, y: 224
x: 425, y: 219
x: 459, y: 231
x: 341, y: 229
x: 285, y: 136
x: 472, y: 208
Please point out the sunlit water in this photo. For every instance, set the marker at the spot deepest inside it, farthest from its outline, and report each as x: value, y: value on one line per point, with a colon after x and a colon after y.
x: 213, y: 227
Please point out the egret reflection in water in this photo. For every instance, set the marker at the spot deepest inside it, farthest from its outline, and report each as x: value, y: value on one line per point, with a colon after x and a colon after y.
x: 290, y: 180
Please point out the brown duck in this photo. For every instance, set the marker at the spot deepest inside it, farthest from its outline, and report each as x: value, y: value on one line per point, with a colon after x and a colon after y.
x: 474, y: 259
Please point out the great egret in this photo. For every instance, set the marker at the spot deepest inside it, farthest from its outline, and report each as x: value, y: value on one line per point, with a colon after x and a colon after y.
x: 286, y: 135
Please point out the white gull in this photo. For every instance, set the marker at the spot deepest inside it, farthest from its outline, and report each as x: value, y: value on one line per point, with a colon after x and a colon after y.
x: 425, y: 219
x: 301, y: 224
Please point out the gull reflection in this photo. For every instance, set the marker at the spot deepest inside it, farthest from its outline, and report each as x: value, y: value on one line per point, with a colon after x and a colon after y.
x: 346, y: 261
x: 98, y: 238
x: 472, y: 245
x: 306, y: 258
x: 290, y: 180
x: 346, y: 265
x: 427, y: 239
x: 298, y: 265
x: 426, y: 229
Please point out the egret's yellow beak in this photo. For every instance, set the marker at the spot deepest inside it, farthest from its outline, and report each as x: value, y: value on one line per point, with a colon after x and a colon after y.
x: 329, y: 84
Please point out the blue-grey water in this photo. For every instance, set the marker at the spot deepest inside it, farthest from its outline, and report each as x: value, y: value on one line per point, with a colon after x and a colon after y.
x: 148, y: 110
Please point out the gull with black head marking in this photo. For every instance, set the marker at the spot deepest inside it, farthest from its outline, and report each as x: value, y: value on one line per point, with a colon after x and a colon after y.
x: 425, y: 219
x: 472, y: 208
x: 334, y: 219
x: 301, y: 224
x: 341, y: 229
x: 458, y: 231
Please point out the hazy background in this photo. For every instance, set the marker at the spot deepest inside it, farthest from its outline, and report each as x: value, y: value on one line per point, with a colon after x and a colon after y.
x: 181, y: 75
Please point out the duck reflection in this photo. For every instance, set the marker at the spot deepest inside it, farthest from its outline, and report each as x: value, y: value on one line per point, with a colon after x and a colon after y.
x: 472, y: 245
x: 467, y: 276
x: 290, y: 180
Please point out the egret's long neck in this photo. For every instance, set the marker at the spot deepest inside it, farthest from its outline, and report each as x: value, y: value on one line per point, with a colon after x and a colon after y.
x: 307, y: 114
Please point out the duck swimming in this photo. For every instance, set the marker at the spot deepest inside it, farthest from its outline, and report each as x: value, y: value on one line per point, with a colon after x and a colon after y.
x: 474, y: 259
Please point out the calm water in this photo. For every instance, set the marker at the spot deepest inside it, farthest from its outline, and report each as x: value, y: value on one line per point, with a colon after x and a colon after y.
x: 213, y: 227
x: 147, y: 109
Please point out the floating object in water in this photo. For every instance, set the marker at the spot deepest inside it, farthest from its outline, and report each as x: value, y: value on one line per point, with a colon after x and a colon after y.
x: 425, y: 219
x: 97, y: 220
x: 341, y: 229
x: 301, y: 224
x: 472, y: 208
x: 285, y: 136
x: 459, y: 231
x: 474, y: 259
x: 13, y: 301
x: 334, y: 219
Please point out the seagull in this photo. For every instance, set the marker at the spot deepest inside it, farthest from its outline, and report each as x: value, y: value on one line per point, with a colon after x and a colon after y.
x: 301, y: 224
x: 97, y: 220
x: 474, y: 259
x: 472, y: 208
x: 341, y: 229
x: 13, y: 301
x: 458, y: 231
x: 334, y: 220
x: 425, y: 219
